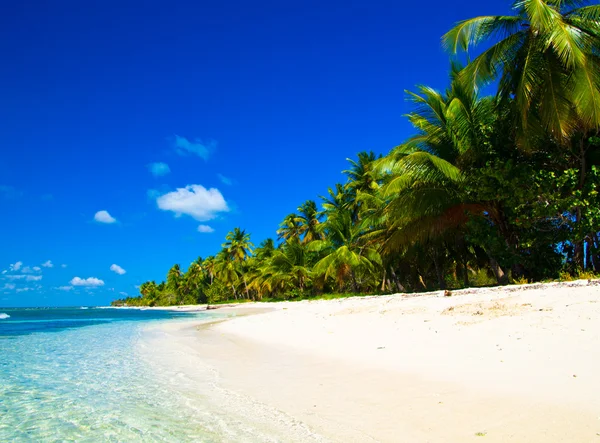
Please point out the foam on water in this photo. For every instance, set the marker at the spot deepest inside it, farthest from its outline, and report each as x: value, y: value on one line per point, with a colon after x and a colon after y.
x: 4, y: 316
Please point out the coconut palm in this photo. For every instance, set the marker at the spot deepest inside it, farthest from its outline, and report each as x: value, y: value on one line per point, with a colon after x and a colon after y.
x: 209, y: 267
x: 546, y: 60
x: 344, y: 253
x: 174, y: 283
x: 238, y: 244
x: 290, y: 228
x: 286, y: 270
x: 308, y: 219
x: 361, y: 178
x: 427, y: 189
x: 239, y: 247
x: 227, y: 270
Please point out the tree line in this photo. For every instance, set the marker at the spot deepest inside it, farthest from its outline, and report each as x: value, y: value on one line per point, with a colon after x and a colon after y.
x: 491, y: 189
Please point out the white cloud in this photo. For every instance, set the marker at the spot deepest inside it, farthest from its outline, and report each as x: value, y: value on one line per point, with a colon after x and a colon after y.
x: 33, y: 278
x: 91, y: 281
x: 205, y: 229
x: 24, y: 289
x: 159, y: 169
x: 16, y: 266
x: 16, y: 277
x: 63, y: 266
x: 194, y: 200
x: 4, y: 272
x: 104, y: 217
x: 9, y: 286
x: 117, y: 269
x: 37, y: 268
x: 65, y: 288
x: 183, y: 146
x: 124, y: 294
x: 48, y: 264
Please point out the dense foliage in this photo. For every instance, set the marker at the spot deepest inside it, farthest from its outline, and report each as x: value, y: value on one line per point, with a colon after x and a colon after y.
x: 489, y: 189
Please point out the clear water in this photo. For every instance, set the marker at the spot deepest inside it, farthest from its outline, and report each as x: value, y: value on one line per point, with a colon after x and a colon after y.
x: 74, y: 375
x: 122, y: 375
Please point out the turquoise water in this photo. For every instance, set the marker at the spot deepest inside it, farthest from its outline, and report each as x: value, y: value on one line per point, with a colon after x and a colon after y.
x: 74, y: 375
x: 123, y: 375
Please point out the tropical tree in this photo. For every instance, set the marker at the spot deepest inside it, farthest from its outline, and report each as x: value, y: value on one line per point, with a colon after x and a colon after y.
x: 238, y: 246
x: 345, y: 256
x: 547, y: 65
x: 361, y: 179
x: 546, y: 61
x: 290, y: 228
x: 174, y: 283
x: 309, y: 219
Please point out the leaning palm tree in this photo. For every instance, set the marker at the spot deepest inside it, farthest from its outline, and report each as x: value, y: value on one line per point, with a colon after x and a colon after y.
x: 545, y: 58
x: 547, y: 64
x: 427, y: 179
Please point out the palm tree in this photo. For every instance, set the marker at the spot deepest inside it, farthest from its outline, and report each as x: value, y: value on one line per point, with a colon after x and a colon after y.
x: 546, y: 58
x: 288, y: 268
x: 193, y: 280
x: 290, y: 228
x: 238, y: 246
x: 174, y: 282
x: 265, y: 250
x: 209, y: 266
x: 308, y: 219
x: 548, y: 67
x: 344, y: 253
x: 338, y: 198
x: 227, y: 270
x: 361, y: 179
x: 427, y: 179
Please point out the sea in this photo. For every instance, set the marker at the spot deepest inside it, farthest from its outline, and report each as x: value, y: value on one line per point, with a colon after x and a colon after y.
x: 74, y: 374
x: 89, y: 374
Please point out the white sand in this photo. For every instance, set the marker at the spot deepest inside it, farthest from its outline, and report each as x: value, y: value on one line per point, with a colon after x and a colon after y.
x: 515, y: 364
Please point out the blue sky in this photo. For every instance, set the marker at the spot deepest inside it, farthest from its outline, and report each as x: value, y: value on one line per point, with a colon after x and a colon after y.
x: 136, y: 134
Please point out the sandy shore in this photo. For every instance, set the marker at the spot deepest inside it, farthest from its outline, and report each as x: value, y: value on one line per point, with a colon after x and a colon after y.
x: 516, y: 364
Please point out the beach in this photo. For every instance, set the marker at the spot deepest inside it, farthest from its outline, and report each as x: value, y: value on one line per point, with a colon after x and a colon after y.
x: 504, y: 364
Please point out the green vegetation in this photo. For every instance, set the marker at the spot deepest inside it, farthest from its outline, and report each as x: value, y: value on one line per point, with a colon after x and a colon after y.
x: 489, y: 190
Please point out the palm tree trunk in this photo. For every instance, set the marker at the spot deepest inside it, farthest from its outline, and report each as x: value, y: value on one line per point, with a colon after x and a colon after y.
x: 579, y: 243
x: 234, y: 293
x: 246, y: 287
x: 354, y: 285
x: 501, y: 276
x: 383, y: 281
x: 397, y: 280
x: 438, y: 271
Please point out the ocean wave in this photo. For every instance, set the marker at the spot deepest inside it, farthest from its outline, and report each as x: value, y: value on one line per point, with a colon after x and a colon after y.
x: 4, y: 316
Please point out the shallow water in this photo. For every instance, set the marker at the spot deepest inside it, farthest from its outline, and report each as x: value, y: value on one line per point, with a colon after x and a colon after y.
x: 95, y: 375
x: 75, y: 375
